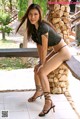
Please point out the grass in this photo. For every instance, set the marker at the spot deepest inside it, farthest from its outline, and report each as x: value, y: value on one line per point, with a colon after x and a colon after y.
x: 8, y: 44
x: 14, y: 63
x: 11, y: 63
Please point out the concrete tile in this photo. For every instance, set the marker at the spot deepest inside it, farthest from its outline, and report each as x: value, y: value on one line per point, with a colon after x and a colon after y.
x: 50, y: 115
x: 35, y: 108
x: 15, y: 97
x: 58, y: 97
x: 16, y: 103
x: 19, y: 115
x: 62, y: 105
x: 65, y: 114
x: 1, y: 109
x: 1, y: 99
x: 15, y: 107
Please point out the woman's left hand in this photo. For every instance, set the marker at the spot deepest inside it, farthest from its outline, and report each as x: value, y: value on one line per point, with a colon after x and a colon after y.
x: 39, y: 68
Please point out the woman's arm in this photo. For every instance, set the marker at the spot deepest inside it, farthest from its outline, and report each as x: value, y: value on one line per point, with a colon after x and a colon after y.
x: 42, y: 49
x: 39, y: 51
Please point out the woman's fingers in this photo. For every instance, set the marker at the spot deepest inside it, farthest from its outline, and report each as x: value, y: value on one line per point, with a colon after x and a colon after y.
x: 39, y: 68
x: 36, y: 67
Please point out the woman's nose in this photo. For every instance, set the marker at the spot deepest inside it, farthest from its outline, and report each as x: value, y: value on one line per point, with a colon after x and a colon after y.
x: 32, y: 16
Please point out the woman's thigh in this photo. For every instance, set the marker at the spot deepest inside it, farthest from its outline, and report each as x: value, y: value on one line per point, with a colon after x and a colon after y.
x: 56, y: 60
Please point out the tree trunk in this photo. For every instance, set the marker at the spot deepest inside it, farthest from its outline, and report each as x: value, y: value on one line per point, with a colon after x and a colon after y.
x: 3, y: 35
x: 30, y: 2
x: 58, y: 15
x: 10, y: 1
x: 3, y: 5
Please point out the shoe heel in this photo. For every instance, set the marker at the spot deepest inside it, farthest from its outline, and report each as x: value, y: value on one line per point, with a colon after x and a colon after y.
x: 40, y: 96
x: 54, y: 108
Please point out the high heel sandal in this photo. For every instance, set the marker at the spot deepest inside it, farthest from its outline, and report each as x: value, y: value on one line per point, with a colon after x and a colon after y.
x: 34, y: 97
x: 52, y: 106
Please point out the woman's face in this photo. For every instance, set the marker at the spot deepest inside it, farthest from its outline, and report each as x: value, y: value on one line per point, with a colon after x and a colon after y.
x: 33, y: 16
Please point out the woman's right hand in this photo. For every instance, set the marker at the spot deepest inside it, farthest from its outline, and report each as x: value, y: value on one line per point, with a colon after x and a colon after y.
x: 37, y: 67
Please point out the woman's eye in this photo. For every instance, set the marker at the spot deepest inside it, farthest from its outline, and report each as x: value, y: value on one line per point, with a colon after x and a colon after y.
x: 29, y: 14
x: 35, y: 14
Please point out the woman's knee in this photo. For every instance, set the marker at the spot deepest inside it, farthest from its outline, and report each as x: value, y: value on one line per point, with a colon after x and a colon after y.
x: 41, y: 72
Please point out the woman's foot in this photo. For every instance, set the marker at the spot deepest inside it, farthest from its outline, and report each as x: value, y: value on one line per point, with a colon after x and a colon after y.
x: 35, y: 96
x: 48, y: 104
x: 47, y: 107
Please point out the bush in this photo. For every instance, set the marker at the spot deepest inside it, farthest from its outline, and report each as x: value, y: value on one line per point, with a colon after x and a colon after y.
x: 4, y: 21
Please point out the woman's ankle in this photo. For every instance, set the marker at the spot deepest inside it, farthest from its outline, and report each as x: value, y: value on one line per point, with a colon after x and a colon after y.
x: 38, y: 88
x: 36, y: 95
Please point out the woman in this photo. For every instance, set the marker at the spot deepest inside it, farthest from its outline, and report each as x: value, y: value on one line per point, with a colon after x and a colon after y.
x: 45, y: 36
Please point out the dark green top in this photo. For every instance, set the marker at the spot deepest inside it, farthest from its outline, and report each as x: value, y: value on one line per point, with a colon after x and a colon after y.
x: 53, y: 36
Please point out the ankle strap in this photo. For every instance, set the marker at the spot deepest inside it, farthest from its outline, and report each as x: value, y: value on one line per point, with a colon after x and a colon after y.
x: 38, y: 88
x: 47, y: 96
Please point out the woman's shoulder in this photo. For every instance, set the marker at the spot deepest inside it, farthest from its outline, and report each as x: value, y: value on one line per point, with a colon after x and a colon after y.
x: 43, y: 28
x: 44, y: 25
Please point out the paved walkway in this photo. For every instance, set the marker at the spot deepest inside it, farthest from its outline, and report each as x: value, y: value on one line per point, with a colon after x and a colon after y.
x: 14, y: 105
x: 16, y: 102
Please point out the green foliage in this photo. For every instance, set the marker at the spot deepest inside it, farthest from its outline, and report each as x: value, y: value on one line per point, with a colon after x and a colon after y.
x: 4, y: 21
x: 22, y: 6
x: 11, y: 63
x: 5, y: 29
x: 43, y: 4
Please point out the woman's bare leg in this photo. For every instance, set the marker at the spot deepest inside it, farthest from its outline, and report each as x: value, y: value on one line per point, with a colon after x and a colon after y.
x: 39, y: 91
x: 36, y: 79
x: 49, y: 66
x: 53, y: 63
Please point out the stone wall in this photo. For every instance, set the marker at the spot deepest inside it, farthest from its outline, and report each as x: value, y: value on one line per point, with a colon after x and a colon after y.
x: 58, y: 15
x: 58, y: 80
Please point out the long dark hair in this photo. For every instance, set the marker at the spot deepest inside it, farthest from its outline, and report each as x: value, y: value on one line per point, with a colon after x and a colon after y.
x: 29, y: 26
